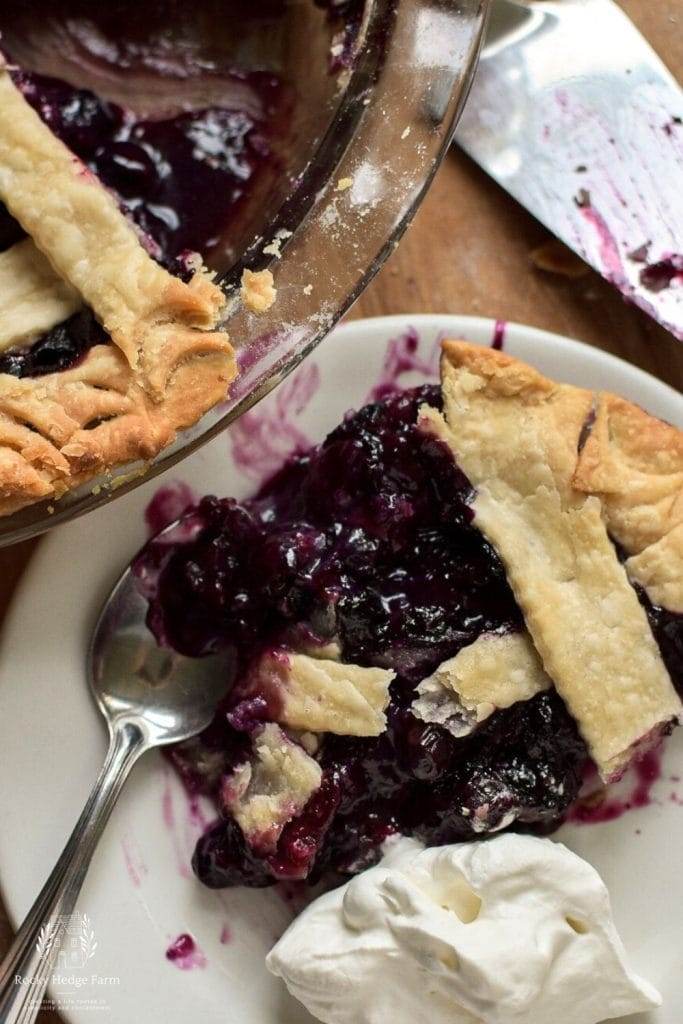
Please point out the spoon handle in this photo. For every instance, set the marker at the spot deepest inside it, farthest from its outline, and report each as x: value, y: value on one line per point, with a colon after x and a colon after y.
x: 26, y: 969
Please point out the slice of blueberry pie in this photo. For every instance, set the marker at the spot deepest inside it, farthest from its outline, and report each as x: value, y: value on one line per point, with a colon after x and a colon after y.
x: 539, y: 501
x: 437, y: 617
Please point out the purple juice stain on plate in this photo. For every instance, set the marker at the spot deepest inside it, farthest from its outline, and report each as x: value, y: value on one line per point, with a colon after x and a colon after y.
x: 135, y: 866
x: 498, y: 336
x: 226, y: 935
x: 196, y: 815
x: 181, y: 853
x: 403, y: 356
x: 265, y: 437
x: 597, y: 807
x: 184, y: 828
x: 169, y: 503
x: 185, y: 954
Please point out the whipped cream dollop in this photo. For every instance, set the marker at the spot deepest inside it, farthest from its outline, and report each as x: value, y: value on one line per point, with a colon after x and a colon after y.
x: 511, y: 930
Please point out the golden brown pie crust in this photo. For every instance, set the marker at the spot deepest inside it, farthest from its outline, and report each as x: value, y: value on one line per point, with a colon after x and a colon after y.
x: 517, y: 436
x: 634, y: 462
x: 168, y: 364
x: 495, y: 671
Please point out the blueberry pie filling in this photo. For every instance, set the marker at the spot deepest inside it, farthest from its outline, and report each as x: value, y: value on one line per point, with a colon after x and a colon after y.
x: 374, y: 626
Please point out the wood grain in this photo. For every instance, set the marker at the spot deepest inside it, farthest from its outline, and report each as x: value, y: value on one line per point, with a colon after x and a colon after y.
x: 468, y: 251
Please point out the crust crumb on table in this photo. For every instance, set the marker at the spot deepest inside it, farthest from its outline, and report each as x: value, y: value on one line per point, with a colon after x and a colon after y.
x: 257, y: 290
x: 555, y: 258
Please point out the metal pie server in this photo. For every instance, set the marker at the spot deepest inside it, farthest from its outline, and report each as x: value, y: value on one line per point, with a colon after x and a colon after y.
x: 575, y: 115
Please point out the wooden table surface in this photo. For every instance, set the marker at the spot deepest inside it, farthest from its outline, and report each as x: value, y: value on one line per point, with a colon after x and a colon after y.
x: 468, y: 251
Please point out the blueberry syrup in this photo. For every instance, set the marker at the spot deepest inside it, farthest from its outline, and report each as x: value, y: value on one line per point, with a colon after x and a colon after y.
x: 185, y: 954
x: 668, y: 629
x: 366, y: 538
x: 598, y: 806
x: 178, y: 178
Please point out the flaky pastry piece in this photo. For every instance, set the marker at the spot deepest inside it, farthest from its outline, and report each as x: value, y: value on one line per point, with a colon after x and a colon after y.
x: 495, y: 671
x: 169, y: 365
x: 271, y: 788
x: 634, y: 462
x: 318, y: 694
x: 257, y: 290
x: 516, y: 435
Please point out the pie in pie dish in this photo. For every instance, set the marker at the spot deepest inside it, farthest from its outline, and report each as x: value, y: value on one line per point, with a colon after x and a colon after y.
x: 140, y: 150
x: 437, y: 618
x: 168, y: 363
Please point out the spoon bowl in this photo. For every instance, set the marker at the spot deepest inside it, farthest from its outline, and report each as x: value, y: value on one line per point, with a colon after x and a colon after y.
x: 149, y: 696
x: 167, y: 696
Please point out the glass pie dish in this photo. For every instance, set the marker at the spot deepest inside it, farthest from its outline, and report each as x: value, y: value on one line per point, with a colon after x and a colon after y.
x: 371, y: 113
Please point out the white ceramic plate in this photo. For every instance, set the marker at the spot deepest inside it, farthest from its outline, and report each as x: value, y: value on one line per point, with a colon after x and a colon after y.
x: 140, y: 893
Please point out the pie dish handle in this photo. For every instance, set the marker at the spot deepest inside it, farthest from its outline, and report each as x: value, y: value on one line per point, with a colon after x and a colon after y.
x: 27, y: 966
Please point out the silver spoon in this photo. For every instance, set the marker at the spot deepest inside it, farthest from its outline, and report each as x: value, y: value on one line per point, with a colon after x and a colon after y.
x: 149, y: 696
